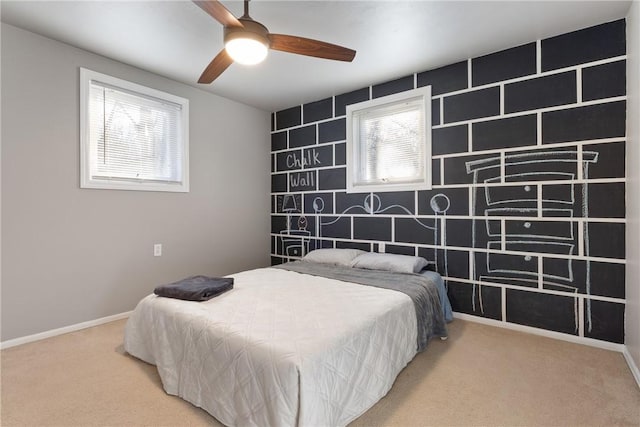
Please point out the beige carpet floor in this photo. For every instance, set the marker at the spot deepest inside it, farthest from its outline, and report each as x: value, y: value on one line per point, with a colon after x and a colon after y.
x: 481, y: 376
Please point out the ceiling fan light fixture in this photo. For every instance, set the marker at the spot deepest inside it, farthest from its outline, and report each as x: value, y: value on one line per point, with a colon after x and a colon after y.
x: 246, y: 51
x: 247, y: 45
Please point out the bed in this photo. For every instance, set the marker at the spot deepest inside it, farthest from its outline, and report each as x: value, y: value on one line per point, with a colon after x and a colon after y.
x: 285, y: 347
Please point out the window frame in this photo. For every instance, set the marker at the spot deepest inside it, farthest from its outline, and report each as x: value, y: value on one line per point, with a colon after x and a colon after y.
x: 423, y: 96
x: 86, y: 179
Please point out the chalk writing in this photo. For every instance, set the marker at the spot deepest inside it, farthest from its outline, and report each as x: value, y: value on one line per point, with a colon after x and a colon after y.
x: 302, y: 180
x: 309, y: 158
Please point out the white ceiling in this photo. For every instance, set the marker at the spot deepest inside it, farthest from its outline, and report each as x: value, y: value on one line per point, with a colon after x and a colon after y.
x: 393, y: 39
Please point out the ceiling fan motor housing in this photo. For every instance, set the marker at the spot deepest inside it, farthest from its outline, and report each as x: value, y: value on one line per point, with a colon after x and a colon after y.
x: 251, y: 29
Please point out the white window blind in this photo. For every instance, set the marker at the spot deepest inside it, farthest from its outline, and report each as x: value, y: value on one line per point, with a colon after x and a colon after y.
x: 135, y: 137
x: 391, y: 145
x: 388, y: 143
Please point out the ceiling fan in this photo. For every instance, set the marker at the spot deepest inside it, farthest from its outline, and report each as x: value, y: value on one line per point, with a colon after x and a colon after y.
x: 247, y: 42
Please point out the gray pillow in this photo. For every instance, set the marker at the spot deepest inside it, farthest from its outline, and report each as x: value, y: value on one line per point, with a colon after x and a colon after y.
x: 390, y: 262
x: 333, y: 256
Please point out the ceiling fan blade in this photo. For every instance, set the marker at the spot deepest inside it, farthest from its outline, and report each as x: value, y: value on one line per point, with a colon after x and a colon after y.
x: 220, y: 63
x: 310, y: 47
x: 218, y: 12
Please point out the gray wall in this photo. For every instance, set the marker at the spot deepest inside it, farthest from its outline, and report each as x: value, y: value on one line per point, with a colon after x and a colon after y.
x: 632, y: 339
x: 71, y: 255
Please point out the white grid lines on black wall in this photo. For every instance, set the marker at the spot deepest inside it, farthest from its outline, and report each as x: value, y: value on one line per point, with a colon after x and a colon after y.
x: 526, y: 215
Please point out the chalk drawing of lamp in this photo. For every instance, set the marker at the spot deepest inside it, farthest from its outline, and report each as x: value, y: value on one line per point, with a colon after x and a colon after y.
x: 294, y: 242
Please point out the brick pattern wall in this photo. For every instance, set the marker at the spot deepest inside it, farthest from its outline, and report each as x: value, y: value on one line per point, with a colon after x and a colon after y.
x: 526, y: 217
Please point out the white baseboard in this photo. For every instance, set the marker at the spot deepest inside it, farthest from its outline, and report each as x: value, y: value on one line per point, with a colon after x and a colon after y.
x: 65, y: 330
x: 543, y: 332
x: 632, y: 365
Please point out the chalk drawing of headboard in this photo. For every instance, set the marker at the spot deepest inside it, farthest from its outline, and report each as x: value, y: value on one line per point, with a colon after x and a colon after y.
x: 298, y: 241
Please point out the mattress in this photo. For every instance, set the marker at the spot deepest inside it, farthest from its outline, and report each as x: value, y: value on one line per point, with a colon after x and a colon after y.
x: 280, y: 349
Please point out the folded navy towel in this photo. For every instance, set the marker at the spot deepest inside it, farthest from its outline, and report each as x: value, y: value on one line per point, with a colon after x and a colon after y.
x: 195, y: 288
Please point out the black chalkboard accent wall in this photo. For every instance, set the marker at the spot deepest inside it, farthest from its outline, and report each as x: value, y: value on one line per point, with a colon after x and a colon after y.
x: 526, y: 216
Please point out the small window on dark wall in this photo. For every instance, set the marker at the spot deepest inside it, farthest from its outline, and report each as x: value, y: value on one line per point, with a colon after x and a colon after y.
x: 132, y: 137
x: 389, y: 143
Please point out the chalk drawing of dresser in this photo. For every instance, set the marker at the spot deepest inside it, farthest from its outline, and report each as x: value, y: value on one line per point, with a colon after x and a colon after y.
x: 549, y: 221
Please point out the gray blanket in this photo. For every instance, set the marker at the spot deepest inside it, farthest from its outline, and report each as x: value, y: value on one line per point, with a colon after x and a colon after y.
x: 421, y: 290
x: 195, y: 288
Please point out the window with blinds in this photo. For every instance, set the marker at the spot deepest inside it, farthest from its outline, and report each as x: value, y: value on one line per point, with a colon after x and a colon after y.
x: 389, y: 143
x: 133, y: 137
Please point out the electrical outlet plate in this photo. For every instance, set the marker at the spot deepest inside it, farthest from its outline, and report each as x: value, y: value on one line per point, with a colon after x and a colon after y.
x: 157, y: 249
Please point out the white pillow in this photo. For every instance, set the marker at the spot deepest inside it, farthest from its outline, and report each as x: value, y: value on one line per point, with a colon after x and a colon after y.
x: 390, y: 262
x: 333, y: 256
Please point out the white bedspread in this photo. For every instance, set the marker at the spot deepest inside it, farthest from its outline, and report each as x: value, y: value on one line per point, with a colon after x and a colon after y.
x: 280, y: 349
